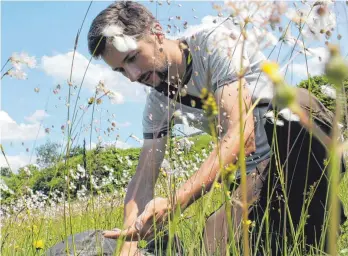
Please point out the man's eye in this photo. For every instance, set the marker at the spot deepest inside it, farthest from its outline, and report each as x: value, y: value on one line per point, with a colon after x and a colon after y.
x: 133, y: 58
x: 119, y: 70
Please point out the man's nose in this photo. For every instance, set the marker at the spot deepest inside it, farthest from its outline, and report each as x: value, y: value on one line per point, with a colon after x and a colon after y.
x: 133, y: 72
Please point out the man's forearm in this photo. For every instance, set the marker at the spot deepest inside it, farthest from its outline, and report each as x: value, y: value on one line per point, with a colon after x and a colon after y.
x: 137, y: 196
x: 203, y: 179
x: 140, y: 189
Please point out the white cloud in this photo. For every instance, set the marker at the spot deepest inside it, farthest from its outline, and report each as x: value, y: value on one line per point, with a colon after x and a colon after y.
x: 92, y: 146
x: 11, y: 130
x: 316, y: 63
x: 37, y: 116
x: 16, y: 161
x: 58, y: 66
x: 206, y: 22
x: 121, y: 144
x: 328, y: 91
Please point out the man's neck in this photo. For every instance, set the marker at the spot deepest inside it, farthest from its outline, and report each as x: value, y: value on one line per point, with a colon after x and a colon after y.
x: 177, y: 59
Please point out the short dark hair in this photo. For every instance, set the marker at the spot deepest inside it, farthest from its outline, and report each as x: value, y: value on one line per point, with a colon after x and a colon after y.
x: 134, y: 18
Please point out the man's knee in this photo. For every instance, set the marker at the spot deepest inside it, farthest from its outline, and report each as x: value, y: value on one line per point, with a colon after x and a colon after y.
x: 216, y: 221
x: 215, y: 232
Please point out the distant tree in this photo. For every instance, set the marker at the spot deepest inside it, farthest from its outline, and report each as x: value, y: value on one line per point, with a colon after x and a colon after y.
x: 321, y: 88
x: 47, y: 154
x: 5, y: 171
x: 77, y: 150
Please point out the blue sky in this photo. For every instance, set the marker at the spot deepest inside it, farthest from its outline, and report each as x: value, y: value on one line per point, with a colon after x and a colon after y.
x: 47, y: 30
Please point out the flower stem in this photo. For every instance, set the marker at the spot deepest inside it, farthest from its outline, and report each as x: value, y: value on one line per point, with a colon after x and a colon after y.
x: 5, y: 64
x: 334, y: 172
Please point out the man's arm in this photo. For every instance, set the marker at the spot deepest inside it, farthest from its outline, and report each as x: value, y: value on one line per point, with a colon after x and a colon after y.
x: 229, y: 116
x: 227, y: 97
x: 140, y: 190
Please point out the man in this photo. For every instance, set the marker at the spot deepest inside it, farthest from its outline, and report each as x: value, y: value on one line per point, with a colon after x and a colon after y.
x: 184, y: 75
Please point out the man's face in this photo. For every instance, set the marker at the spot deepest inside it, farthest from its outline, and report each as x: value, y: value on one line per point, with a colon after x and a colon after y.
x: 146, y: 64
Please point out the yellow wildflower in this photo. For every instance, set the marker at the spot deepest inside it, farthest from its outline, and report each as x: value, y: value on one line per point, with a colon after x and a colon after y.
x: 247, y: 222
x: 271, y: 69
x: 164, y: 173
x: 217, y: 185
x: 284, y: 95
x: 209, y: 103
x: 39, y: 244
x: 91, y: 100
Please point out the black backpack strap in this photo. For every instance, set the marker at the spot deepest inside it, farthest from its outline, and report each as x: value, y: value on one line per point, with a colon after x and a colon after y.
x: 171, y: 91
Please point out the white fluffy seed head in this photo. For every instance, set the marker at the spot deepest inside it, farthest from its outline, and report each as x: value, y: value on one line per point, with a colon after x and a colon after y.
x: 112, y: 30
x: 124, y: 43
x: 121, y: 42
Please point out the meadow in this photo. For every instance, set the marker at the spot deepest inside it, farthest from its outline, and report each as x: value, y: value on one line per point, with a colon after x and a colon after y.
x: 73, y: 188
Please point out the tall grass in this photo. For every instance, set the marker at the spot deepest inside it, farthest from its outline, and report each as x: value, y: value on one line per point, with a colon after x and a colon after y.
x: 57, y: 218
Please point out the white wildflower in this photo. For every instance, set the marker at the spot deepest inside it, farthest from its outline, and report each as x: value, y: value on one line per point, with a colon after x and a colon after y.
x: 18, y: 59
x: 129, y: 162
x: 30, y: 61
x: 284, y: 113
x: 115, y: 97
x: 177, y: 113
x: 120, y: 41
x: 4, y: 187
x: 72, y: 186
x: 101, y: 87
x: 120, y: 159
x: 317, y: 24
x: 185, y: 144
x: 319, y: 19
x: 270, y: 116
x: 81, y: 170
x: 256, y: 12
x: 165, y: 165
x: 27, y: 170
x: 287, y: 114
x: 17, y: 73
x: 72, y: 174
x: 136, y: 138
x: 290, y: 40
x: 106, y: 168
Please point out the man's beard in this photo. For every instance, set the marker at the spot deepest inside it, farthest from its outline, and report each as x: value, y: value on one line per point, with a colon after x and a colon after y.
x: 162, y: 75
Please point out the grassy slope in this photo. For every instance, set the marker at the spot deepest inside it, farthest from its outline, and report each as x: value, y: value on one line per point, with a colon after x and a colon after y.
x: 106, y: 211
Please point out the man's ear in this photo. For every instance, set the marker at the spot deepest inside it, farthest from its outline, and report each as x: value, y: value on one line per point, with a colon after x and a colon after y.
x: 158, y: 32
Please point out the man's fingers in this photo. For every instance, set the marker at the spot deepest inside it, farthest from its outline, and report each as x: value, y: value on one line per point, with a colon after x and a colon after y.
x: 130, y: 233
x: 139, y: 225
x: 111, y: 234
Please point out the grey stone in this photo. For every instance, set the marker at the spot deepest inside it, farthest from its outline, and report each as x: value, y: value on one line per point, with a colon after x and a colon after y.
x: 88, y: 243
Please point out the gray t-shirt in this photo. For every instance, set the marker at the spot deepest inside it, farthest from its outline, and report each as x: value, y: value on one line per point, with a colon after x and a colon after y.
x: 214, y: 50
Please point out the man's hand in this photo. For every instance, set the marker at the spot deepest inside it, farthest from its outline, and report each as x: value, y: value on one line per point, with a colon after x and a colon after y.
x: 156, y: 210
x: 130, y: 249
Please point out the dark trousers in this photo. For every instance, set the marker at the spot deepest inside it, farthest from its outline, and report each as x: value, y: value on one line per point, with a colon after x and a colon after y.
x: 293, y: 184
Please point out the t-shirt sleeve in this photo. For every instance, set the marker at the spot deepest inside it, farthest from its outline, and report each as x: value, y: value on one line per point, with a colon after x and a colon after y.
x: 155, y: 118
x: 224, y: 55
